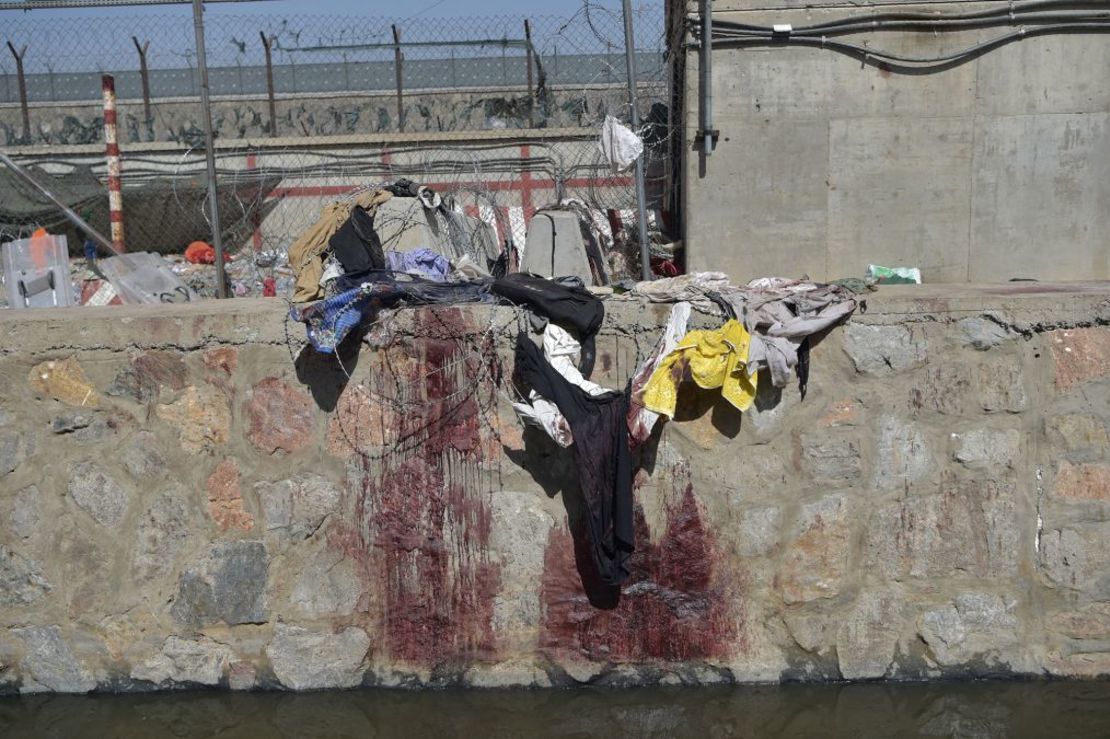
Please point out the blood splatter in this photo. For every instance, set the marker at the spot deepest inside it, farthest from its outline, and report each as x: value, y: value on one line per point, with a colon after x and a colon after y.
x: 423, y: 506
x: 677, y: 606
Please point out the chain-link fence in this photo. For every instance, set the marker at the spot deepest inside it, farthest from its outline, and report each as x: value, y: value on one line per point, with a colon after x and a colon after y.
x: 501, y: 113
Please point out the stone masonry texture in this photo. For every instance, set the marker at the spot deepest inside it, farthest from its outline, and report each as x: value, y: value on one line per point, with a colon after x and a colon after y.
x: 184, y: 504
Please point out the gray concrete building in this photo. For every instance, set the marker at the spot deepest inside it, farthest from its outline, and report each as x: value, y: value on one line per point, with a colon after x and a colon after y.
x: 986, y: 170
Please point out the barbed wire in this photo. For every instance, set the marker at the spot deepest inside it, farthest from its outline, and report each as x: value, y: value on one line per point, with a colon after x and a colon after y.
x: 475, y: 78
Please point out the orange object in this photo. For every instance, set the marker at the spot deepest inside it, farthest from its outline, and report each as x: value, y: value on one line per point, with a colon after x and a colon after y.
x: 200, y: 252
x: 39, y: 250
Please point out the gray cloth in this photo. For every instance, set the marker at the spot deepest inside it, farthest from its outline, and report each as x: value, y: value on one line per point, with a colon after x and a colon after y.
x: 779, y: 320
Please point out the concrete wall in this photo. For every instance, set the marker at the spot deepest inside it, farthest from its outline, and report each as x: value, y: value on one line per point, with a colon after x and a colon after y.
x: 991, y: 170
x: 184, y: 501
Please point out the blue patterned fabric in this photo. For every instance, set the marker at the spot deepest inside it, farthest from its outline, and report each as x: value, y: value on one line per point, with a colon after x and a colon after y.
x: 329, y: 321
x: 422, y: 262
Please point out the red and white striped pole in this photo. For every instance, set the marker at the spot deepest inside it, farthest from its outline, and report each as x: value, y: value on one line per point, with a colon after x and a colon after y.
x: 111, y: 141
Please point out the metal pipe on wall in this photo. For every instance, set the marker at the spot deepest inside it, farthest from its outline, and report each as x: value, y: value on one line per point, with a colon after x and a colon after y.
x: 528, y: 61
x: 641, y: 190
x: 209, y: 150
x: 705, y: 77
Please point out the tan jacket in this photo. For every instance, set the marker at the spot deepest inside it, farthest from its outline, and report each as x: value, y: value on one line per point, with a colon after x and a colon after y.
x: 306, y: 254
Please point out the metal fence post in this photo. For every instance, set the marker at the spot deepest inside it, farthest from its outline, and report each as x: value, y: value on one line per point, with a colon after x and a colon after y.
x: 111, y: 156
x: 22, y: 80
x: 398, y: 60
x: 267, y: 44
x: 209, y: 150
x: 144, y: 74
x: 641, y: 193
x: 528, y: 59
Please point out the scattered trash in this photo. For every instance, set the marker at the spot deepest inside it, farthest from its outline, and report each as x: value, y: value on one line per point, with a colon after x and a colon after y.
x: 858, y: 285
x: 143, y: 277
x: 894, y: 275
x: 37, y: 273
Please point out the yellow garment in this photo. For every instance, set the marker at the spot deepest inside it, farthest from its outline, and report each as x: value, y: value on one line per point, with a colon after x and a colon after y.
x: 306, y: 255
x: 713, y: 359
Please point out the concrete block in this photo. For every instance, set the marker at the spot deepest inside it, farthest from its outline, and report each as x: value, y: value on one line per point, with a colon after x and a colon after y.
x: 1082, y: 482
x: 816, y: 559
x: 555, y: 247
x: 1076, y: 557
x: 972, y: 625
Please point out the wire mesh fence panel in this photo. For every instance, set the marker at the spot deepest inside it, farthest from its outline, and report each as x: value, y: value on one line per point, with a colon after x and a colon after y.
x: 507, y: 110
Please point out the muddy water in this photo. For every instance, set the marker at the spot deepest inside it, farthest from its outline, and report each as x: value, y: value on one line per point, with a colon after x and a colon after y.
x: 978, y: 710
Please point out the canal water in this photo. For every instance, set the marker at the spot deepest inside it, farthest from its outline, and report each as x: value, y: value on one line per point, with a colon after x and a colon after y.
x: 978, y: 710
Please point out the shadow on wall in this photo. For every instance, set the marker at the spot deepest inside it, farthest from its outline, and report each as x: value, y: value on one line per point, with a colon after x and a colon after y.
x: 326, y: 375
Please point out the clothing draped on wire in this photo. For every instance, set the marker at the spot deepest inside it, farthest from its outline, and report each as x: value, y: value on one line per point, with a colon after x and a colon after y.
x: 712, y: 359
x: 360, y: 297
x: 561, y: 351
x: 641, y: 421
x: 780, y: 315
x: 570, y: 306
x: 422, y: 262
x: 356, y: 245
x: 602, y: 457
x: 307, y: 253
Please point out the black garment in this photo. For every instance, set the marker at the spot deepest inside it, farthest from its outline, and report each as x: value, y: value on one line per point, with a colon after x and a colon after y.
x: 392, y: 288
x: 570, y: 307
x: 600, y: 428
x: 356, y: 244
x: 403, y: 188
x: 499, y: 267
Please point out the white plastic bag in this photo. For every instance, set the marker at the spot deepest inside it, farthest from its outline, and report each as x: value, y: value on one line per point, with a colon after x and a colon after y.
x: 618, y: 144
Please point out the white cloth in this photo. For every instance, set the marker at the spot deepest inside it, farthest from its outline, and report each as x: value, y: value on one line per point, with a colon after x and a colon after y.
x: 544, y: 414
x: 641, y: 421
x: 465, y: 268
x: 618, y: 144
x: 564, y: 352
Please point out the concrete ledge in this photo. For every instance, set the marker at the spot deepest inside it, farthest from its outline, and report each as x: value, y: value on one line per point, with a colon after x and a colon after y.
x: 1025, y: 305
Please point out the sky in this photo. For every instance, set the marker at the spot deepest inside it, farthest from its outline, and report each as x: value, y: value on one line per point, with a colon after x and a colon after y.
x: 92, y: 38
x: 408, y: 9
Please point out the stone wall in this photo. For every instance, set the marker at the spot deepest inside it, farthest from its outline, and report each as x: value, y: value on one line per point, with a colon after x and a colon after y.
x: 183, y: 501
